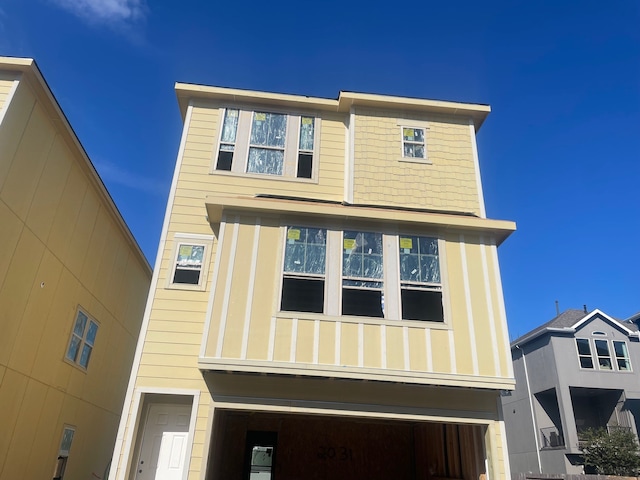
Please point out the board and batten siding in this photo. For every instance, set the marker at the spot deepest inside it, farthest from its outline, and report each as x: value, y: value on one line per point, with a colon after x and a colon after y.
x: 246, y: 323
x: 446, y: 181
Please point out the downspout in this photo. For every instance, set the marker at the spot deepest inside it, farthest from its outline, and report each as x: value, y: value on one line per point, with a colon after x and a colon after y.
x: 533, y: 418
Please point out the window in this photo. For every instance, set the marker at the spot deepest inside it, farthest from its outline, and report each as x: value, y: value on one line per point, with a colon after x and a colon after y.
x: 82, y: 340
x: 413, y: 145
x: 63, y: 453
x: 584, y: 353
x: 267, y: 143
x: 622, y: 356
x: 420, y: 285
x: 304, y: 267
x: 188, y: 267
x: 604, y: 357
x: 260, y: 455
x: 362, y: 271
x: 369, y: 284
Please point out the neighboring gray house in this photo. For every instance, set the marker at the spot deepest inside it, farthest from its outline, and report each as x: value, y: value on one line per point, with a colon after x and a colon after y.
x: 576, y: 371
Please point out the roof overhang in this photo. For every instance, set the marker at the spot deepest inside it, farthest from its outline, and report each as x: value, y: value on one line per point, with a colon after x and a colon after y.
x: 186, y: 92
x: 217, y: 205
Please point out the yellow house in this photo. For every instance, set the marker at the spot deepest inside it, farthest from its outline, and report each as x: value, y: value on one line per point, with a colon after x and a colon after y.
x: 327, y: 301
x: 72, y: 289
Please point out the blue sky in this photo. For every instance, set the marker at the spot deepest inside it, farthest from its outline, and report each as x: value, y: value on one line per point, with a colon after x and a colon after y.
x: 560, y: 153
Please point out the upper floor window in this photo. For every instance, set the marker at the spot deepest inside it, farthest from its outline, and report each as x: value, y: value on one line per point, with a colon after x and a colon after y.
x: 188, y: 266
x: 622, y: 355
x: 369, y: 284
x: 82, y: 340
x: 413, y: 144
x: 603, y: 354
x: 267, y: 143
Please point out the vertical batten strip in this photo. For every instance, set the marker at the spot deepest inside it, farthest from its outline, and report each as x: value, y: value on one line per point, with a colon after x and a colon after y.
x: 227, y: 286
x: 316, y: 340
x: 360, y: 345
x: 214, y: 285
x: 294, y: 340
x: 469, y: 308
x: 503, y: 313
x: 492, y: 319
x: 383, y: 346
x: 337, y: 343
x: 251, y: 286
x: 405, y: 348
x: 272, y: 338
x: 452, y: 352
x: 428, y: 349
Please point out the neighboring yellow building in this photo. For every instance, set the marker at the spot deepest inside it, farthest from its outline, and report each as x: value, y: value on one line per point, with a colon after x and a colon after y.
x: 72, y: 288
x: 327, y: 301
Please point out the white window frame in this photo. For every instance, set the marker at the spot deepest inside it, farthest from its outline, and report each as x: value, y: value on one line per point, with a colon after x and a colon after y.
x: 593, y: 364
x: 626, y: 357
x: 180, y: 239
x: 598, y: 357
x: 83, y: 341
x: 63, y: 453
x: 240, y: 162
x: 403, y: 123
x: 391, y: 284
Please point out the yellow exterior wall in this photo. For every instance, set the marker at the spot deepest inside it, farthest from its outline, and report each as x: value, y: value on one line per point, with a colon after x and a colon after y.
x: 62, y: 247
x: 383, y: 177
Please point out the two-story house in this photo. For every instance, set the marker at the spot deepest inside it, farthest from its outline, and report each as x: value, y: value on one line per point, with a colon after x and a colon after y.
x: 575, y: 372
x: 327, y: 300
x: 72, y: 291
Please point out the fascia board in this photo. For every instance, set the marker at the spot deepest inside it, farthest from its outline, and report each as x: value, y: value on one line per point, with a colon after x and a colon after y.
x: 609, y: 319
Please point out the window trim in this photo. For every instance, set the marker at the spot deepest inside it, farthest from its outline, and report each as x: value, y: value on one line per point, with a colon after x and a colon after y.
x: 627, y: 357
x: 593, y: 367
x: 179, y: 239
x: 391, y: 287
x: 598, y: 357
x: 595, y: 358
x: 403, y: 123
x: 83, y: 340
x: 242, y: 145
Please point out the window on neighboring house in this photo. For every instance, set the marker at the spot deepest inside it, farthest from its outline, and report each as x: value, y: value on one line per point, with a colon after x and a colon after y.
x: 304, y: 270
x: 228, y: 139
x: 420, y: 284
x: 362, y: 274
x: 413, y: 145
x: 584, y: 352
x: 622, y: 356
x: 267, y: 143
x: 188, y: 266
x: 82, y: 340
x: 603, y: 354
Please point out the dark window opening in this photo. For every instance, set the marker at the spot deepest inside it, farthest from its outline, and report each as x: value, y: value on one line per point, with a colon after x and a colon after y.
x: 422, y: 305
x: 364, y: 303
x: 260, y: 455
x: 305, y: 164
x: 191, y: 277
x: 303, y: 294
x: 225, y: 159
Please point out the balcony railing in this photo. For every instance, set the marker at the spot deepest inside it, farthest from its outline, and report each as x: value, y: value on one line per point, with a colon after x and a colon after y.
x: 551, y: 437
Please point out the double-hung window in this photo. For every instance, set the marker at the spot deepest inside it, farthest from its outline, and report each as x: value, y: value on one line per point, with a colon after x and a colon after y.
x: 622, y: 356
x: 267, y: 143
x: 420, y: 283
x: 362, y: 274
x: 603, y: 354
x: 303, y: 281
x: 82, y: 340
x: 188, y: 266
x: 584, y: 353
x: 413, y: 144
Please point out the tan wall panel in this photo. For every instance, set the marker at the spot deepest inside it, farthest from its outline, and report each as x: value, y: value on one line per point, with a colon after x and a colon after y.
x: 305, y: 341
x: 13, y: 126
x: 282, y: 347
x: 327, y: 343
x: 9, y: 236
x: 440, y: 351
x: 372, y: 346
x: 71, y: 241
x: 348, y: 345
x: 486, y: 347
x: 14, y: 386
x: 395, y: 348
x: 417, y: 349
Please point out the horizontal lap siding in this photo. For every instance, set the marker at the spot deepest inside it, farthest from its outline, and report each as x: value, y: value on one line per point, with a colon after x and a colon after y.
x: 448, y: 183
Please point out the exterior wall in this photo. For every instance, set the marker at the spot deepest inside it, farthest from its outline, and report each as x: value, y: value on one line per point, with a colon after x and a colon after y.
x: 62, y: 247
x: 446, y: 181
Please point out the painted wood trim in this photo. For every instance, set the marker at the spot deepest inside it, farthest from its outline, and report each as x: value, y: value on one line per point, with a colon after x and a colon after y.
x: 467, y: 297
x: 227, y: 287
x: 490, y: 312
x: 250, y: 286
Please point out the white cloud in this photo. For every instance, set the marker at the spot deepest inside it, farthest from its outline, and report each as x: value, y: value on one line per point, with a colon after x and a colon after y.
x: 105, y: 10
x: 114, y: 174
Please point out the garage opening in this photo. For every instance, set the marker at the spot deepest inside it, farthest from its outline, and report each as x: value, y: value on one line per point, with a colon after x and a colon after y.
x: 259, y: 446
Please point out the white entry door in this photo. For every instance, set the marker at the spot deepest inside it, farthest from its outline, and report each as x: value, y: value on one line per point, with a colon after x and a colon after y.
x: 164, y: 444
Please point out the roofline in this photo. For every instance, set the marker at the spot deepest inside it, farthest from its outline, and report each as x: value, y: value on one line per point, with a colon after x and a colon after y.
x: 30, y: 71
x: 189, y: 91
x: 526, y: 338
